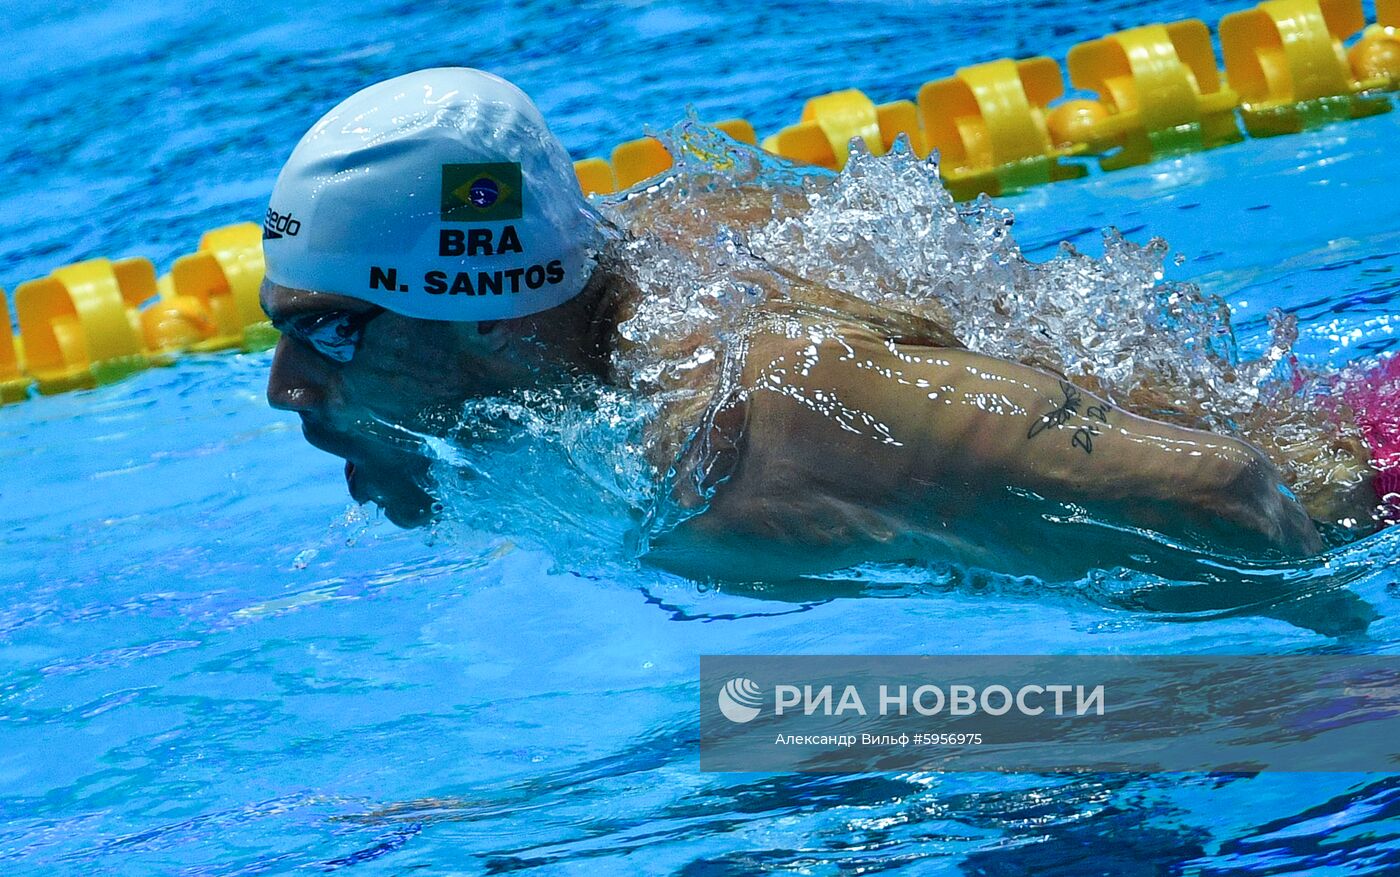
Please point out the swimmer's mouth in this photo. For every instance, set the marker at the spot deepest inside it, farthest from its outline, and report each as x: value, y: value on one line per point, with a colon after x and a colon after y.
x: 350, y: 485
x: 358, y: 491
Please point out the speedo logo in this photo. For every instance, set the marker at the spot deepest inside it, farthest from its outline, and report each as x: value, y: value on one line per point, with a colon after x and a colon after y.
x: 277, y: 225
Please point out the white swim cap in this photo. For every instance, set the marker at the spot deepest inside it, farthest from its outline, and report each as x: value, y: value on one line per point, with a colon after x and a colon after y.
x: 440, y: 194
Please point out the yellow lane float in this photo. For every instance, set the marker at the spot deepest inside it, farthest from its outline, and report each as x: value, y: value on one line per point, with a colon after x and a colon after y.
x: 223, y: 276
x: 14, y: 382
x: 1376, y: 56
x: 1158, y: 93
x: 988, y: 123
x: 80, y: 324
x: 829, y: 123
x: 1285, y: 59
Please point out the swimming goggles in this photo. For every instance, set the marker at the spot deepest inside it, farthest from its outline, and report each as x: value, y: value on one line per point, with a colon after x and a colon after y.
x: 334, y: 335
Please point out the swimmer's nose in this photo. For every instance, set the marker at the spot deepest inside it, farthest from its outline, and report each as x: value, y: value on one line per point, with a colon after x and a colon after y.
x: 297, y: 381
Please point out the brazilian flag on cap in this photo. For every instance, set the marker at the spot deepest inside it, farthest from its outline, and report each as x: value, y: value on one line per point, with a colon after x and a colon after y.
x: 486, y: 192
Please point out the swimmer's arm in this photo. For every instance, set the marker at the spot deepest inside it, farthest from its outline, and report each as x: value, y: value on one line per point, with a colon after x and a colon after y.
x: 850, y: 438
x: 1000, y: 422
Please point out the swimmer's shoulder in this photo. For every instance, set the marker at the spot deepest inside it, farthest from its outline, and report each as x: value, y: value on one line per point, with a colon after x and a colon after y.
x: 760, y: 442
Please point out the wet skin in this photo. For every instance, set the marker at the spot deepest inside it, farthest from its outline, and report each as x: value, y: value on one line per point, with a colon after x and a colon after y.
x: 842, y: 446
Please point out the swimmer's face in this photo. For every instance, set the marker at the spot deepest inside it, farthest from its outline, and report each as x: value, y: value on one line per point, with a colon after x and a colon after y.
x: 364, y: 380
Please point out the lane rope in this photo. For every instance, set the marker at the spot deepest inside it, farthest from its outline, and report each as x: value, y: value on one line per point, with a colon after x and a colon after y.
x: 1000, y: 127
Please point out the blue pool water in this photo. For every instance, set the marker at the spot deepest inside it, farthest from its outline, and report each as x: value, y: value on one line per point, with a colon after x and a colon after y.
x: 210, y: 664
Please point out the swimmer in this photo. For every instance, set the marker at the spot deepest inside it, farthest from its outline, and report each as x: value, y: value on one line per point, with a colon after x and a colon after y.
x: 427, y: 243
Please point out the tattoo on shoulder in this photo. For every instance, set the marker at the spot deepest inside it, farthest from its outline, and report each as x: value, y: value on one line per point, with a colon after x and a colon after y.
x: 1061, y: 413
x: 1084, y: 436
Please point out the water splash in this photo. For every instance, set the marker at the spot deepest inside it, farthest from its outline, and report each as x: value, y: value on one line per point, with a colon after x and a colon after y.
x: 560, y: 469
x: 730, y: 228
x: 886, y: 231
